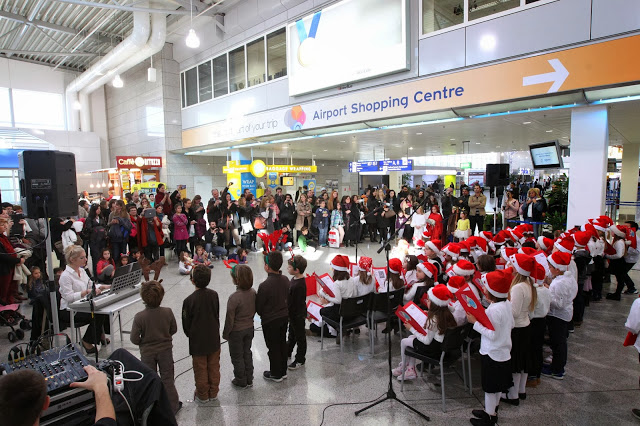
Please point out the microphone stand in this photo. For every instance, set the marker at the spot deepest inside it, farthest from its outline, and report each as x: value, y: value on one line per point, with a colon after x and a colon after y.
x: 391, y: 394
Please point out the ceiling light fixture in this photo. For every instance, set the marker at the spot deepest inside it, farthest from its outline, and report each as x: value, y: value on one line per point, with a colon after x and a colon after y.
x: 77, y: 105
x: 151, y: 72
x: 192, y: 39
x: 410, y: 147
x: 549, y: 131
x: 526, y: 122
x: 418, y: 134
x: 117, y: 82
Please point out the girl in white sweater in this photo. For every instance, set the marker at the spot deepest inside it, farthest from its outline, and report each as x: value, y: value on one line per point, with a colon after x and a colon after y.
x: 426, y: 274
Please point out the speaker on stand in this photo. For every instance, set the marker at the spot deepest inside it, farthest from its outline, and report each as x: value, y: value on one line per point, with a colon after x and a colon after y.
x: 497, y: 175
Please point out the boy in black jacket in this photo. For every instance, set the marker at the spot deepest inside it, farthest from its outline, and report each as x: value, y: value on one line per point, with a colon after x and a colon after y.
x: 297, y: 311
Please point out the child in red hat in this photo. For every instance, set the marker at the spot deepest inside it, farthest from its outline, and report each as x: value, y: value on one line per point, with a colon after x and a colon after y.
x: 495, y: 346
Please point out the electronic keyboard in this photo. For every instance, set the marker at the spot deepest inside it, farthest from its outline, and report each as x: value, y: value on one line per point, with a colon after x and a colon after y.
x: 106, y: 298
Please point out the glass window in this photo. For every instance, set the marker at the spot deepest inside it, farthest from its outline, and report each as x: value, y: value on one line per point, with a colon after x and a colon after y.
x: 220, y: 83
x: 255, y: 62
x: 277, y: 54
x: 481, y: 8
x: 204, y: 78
x: 439, y: 14
x: 5, y: 108
x: 236, y: 69
x: 191, y: 80
x: 182, y: 88
x: 38, y: 110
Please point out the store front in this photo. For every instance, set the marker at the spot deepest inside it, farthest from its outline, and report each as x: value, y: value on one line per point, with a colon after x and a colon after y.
x: 136, y: 174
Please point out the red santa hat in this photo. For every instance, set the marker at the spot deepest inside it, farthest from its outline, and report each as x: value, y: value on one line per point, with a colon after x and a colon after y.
x: 590, y: 229
x: 452, y: 249
x: 618, y: 230
x: 423, y: 258
x: 545, y: 243
x: 521, y: 228
x: 560, y: 260
x: 365, y: 263
x: 463, y: 268
x: 429, y: 269
x: 434, y: 245
x: 481, y: 244
x: 516, y: 236
x: 539, y: 273
x: 497, y: 283
x: 523, y: 263
x: 529, y: 251
x: 565, y: 245
x: 395, y: 266
x: 440, y: 295
x: 420, y: 244
x: 455, y: 283
x: 507, y: 252
x: 426, y: 234
x: 528, y: 228
x: 340, y: 263
x: 600, y: 226
x: 486, y: 235
x: 605, y: 220
x: 581, y: 238
x: 472, y: 241
x: 464, y: 246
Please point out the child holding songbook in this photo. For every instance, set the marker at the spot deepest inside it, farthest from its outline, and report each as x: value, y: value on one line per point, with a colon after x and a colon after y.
x: 344, y: 288
x: 238, y: 325
x: 425, y: 274
x: 439, y: 319
x: 454, y: 284
x: 297, y: 311
x: 409, y: 265
x: 495, y: 346
x: 363, y: 281
x: 395, y: 276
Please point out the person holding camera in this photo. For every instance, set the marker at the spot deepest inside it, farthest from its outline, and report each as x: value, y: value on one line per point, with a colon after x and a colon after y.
x: 534, y: 210
x: 477, y: 203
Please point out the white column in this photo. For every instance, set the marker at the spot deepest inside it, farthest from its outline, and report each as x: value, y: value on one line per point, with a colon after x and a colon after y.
x: 588, y: 169
x: 629, y: 180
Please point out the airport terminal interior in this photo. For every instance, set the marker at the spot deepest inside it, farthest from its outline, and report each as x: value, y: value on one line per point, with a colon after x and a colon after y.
x: 489, y: 146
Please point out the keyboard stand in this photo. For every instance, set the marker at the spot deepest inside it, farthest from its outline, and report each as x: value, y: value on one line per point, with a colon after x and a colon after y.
x: 111, y: 311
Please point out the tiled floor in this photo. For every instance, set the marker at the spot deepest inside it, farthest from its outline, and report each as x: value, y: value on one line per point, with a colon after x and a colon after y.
x: 600, y: 388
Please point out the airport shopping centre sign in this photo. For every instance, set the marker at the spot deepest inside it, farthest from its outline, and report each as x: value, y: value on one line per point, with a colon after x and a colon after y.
x: 594, y: 65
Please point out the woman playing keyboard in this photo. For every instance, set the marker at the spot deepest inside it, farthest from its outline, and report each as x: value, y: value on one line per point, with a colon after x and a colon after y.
x: 75, y: 285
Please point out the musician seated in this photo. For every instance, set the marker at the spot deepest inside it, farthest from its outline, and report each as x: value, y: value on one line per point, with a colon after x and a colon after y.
x: 23, y: 397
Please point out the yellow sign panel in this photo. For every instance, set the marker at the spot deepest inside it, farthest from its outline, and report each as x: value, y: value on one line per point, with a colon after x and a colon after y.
x: 259, y: 170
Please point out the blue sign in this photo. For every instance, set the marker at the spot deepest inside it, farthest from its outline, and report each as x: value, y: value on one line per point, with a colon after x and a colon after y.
x: 380, y: 166
x: 248, y: 180
x: 310, y: 184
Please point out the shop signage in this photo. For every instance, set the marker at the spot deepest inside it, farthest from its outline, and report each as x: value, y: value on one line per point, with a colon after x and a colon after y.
x: 130, y: 162
x: 381, y: 166
x: 466, y: 165
x: 595, y: 65
x: 258, y: 168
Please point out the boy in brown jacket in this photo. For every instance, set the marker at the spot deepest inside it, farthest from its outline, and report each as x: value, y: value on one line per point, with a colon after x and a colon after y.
x: 152, y: 330
x: 201, y: 324
x: 238, y: 326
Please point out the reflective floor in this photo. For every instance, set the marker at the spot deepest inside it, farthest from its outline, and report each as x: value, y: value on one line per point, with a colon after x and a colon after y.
x: 600, y: 386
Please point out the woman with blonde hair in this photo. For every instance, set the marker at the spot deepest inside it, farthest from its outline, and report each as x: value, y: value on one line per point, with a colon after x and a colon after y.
x: 534, y: 209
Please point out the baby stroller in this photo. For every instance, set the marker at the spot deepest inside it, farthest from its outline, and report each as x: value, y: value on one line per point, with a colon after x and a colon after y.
x: 10, y: 317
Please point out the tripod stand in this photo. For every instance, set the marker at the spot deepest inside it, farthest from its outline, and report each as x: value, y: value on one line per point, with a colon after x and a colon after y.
x: 391, y: 394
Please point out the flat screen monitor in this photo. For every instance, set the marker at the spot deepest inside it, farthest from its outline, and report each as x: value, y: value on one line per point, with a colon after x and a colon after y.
x: 546, y: 155
x: 286, y: 181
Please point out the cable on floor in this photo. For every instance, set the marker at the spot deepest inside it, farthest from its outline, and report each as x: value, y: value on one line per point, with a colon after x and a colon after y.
x: 349, y: 403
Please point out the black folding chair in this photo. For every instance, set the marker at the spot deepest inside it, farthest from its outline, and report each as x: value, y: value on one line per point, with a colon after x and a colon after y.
x: 353, y: 313
x: 451, y: 352
x: 378, y: 311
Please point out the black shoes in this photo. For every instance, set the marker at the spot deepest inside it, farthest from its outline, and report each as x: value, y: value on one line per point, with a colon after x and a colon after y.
x: 522, y: 396
x: 515, y: 402
x: 483, y: 419
x: 267, y: 375
x: 613, y: 296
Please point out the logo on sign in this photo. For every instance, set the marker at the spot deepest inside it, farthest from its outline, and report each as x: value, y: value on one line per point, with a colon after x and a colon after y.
x: 295, y: 118
x: 139, y: 162
x: 470, y: 301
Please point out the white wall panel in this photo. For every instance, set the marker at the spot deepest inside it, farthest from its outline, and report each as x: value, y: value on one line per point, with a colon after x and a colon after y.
x: 614, y: 17
x: 269, y: 8
x: 442, y: 52
x: 544, y: 27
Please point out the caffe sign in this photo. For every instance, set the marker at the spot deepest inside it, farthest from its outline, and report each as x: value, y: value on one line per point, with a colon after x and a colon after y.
x: 127, y: 162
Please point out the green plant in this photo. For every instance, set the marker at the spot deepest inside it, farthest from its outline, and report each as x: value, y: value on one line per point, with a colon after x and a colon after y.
x: 558, y: 197
x: 488, y: 222
x: 406, y: 178
x: 557, y: 220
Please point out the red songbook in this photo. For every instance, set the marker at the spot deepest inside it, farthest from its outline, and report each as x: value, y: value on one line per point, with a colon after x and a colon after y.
x: 324, y: 280
x: 380, y: 275
x: 313, y: 310
x: 472, y: 305
x: 630, y: 340
x: 312, y: 285
x: 412, y: 314
x: 353, y: 269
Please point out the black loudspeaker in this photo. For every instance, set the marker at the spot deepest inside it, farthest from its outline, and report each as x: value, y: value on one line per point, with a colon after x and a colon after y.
x: 497, y: 175
x: 48, y: 185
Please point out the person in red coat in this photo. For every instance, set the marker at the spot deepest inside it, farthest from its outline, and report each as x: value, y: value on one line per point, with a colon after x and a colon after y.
x: 162, y: 197
x: 8, y: 262
x: 150, y: 236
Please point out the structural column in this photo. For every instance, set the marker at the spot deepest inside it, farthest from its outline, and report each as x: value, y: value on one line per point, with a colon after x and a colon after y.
x: 629, y: 181
x: 588, y: 169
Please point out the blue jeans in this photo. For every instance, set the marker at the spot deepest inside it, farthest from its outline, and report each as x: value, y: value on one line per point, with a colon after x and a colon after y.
x: 215, y: 250
x: 118, y: 248
x: 322, y: 238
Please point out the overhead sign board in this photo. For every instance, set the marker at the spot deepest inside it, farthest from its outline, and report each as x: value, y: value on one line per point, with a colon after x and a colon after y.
x: 142, y: 163
x: 381, y: 166
x: 466, y: 165
x: 363, y: 166
x: 595, y: 65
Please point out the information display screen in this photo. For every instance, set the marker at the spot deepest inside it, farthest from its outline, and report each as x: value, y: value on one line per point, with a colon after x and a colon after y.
x: 546, y: 155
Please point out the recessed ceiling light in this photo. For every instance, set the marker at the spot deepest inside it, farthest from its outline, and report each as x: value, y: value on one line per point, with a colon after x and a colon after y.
x: 549, y: 131
x: 477, y: 143
x: 497, y: 146
x: 419, y: 133
x: 526, y: 122
x: 452, y: 139
x: 325, y: 150
x: 410, y: 147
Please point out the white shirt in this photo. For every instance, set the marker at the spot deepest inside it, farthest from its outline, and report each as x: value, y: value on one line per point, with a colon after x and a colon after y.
x: 563, y: 290
x: 72, y: 285
x: 497, y: 343
x: 410, y: 277
x: 633, y: 255
x: 619, y: 247
x: 543, y: 300
x: 345, y: 290
x: 633, y: 321
x: 432, y: 334
x: 520, y: 302
x: 596, y: 248
x: 411, y: 293
x: 458, y: 312
x: 362, y: 288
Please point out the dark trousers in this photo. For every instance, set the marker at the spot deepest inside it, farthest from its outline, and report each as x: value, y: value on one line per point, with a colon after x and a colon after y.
x: 118, y: 248
x: 621, y: 269
x: 476, y: 220
x: 241, y: 356
x: 627, y: 279
x: 578, y: 304
x: 152, y: 252
x: 275, y: 337
x: 597, y: 277
x: 297, y: 336
x: 162, y: 362
x: 181, y: 245
x: 332, y: 312
x: 538, y: 326
x: 92, y: 335
x: 558, y: 333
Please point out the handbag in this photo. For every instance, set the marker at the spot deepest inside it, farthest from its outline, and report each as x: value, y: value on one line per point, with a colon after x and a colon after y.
x: 259, y: 222
x: 192, y: 231
x: 59, y: 247
x: 246, y: 227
